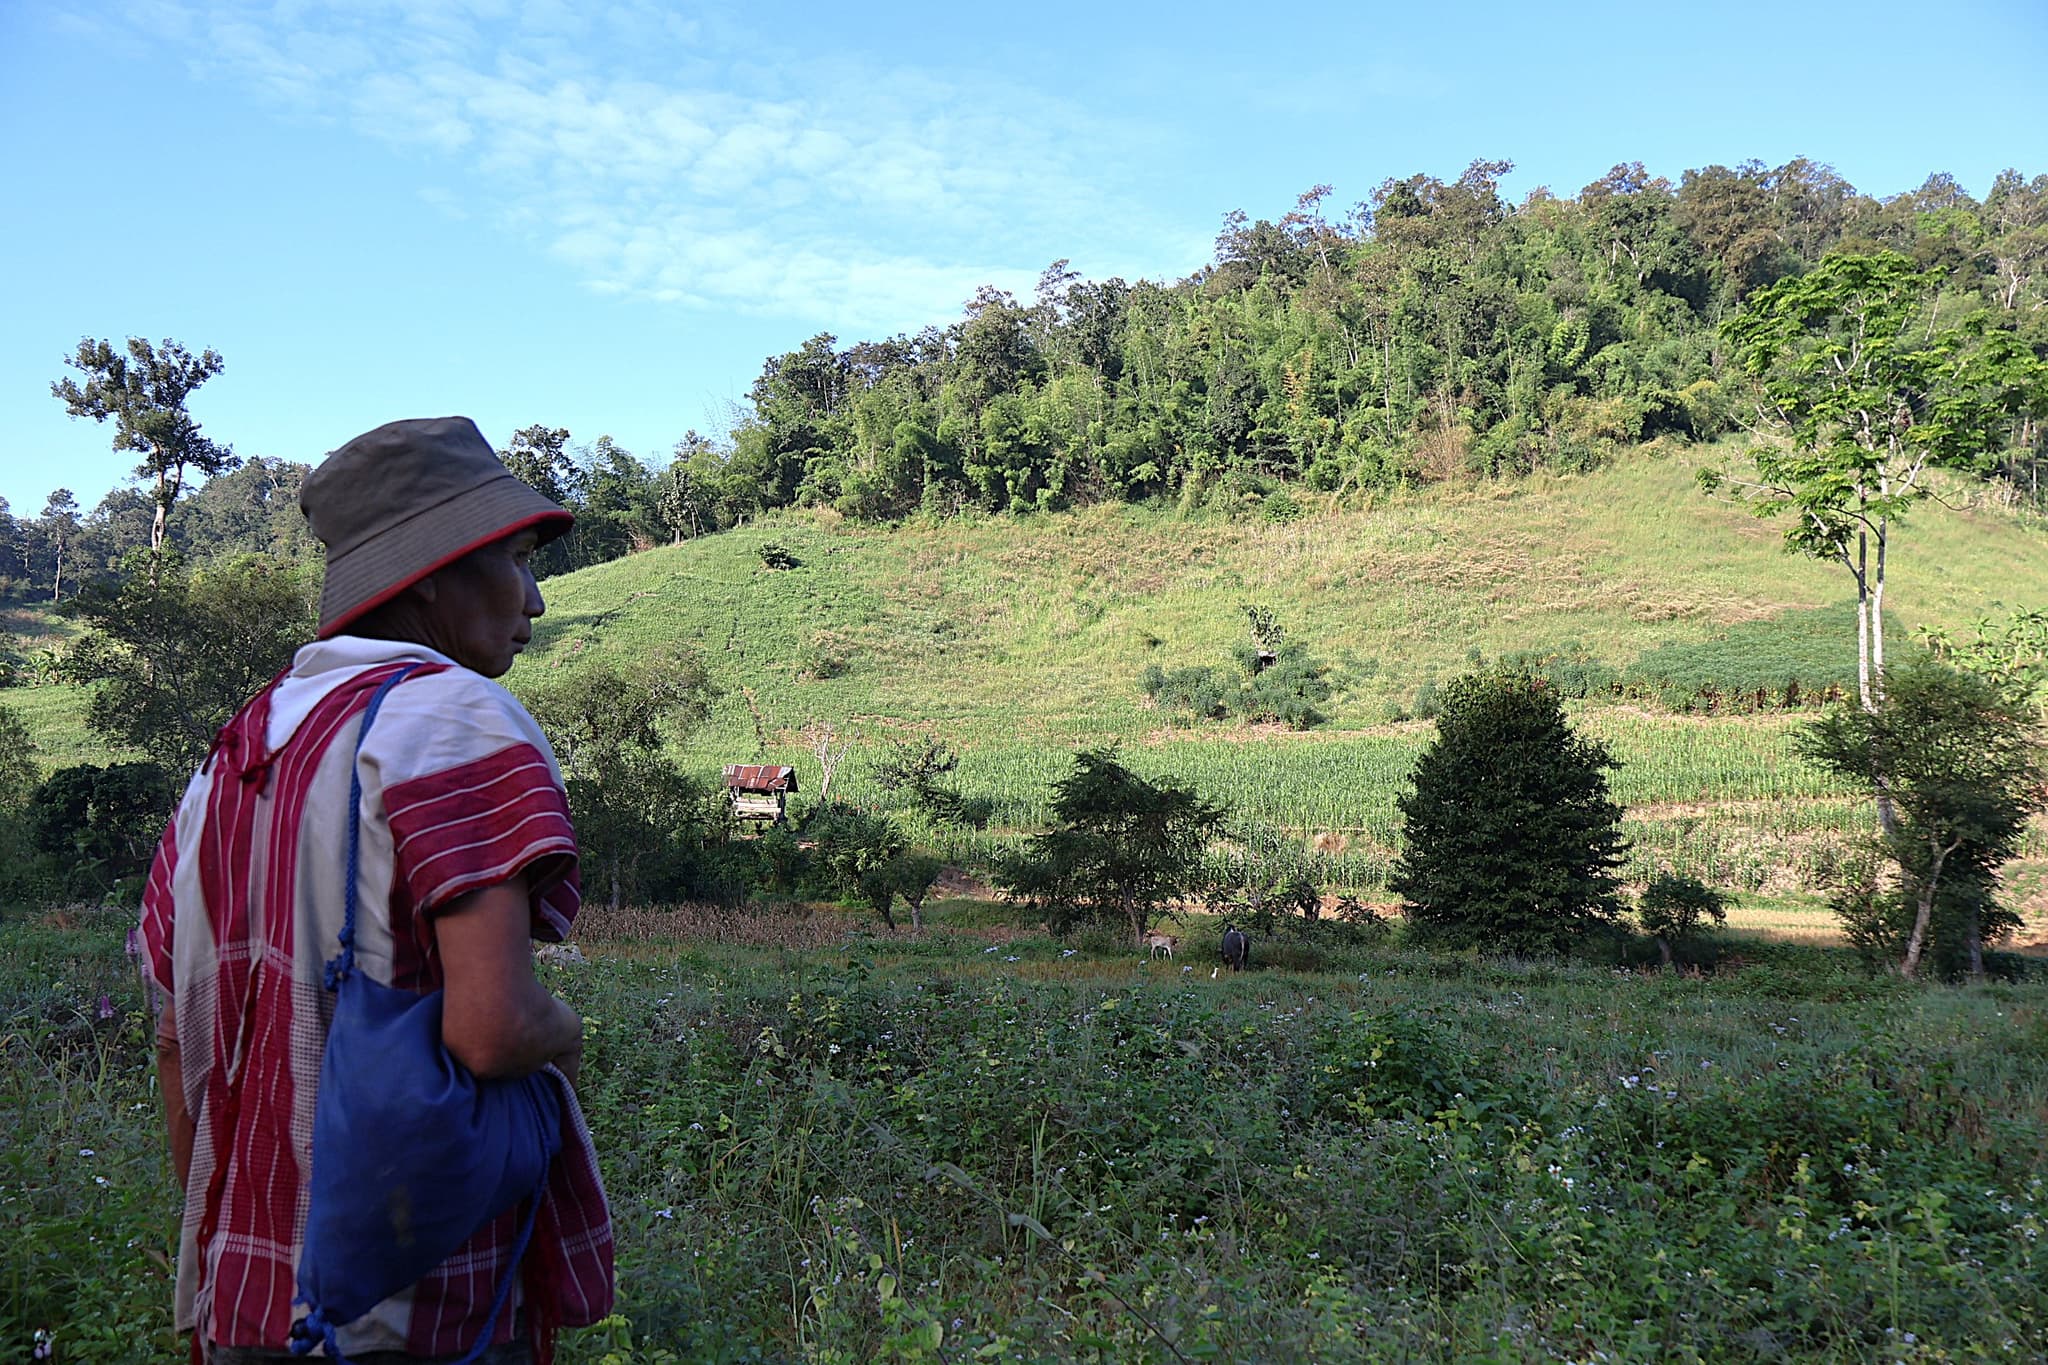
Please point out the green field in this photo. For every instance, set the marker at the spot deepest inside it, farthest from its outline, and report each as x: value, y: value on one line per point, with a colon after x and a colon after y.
x: 829, y: 1144
x: 1019, y: 640
x: 824, y: 1144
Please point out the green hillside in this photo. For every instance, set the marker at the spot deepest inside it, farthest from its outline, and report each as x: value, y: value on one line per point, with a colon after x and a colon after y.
x: 1017, y: 640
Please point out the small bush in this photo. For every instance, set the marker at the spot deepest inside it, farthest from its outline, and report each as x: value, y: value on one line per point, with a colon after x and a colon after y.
x: 1289, y: 691
x: 778, y: 556
x: 1674, y: 909
x: 1280, y: 507
x: 1198, y: 691
x: 1570, y: 669
x: 1427, y: 702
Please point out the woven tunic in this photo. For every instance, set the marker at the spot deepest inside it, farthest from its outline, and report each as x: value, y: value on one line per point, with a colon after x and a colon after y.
x: 243, y: 908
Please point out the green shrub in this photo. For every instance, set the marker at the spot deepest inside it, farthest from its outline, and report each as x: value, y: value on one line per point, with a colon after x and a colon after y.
x: 1570, y: 669
x: 1673, y: 909
x: 1201, y: 692
x: 95, y: 828
x: 918, y: 769
x: 1280, y: 507
x: 1511, y: 837
x: 1287, y: 691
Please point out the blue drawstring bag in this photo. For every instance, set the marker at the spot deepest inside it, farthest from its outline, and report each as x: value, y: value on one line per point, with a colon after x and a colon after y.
x: 411, y: 1152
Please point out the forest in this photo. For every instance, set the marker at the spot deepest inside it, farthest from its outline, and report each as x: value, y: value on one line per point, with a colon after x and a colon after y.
x: 1433, y: 332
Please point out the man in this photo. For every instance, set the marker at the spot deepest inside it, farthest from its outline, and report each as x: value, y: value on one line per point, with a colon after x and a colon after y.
x: 466, y: 854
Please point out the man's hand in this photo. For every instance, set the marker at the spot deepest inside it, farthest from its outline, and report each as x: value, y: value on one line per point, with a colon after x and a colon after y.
x: 570, y: 1063
x: 170, y: 1078
x: 496, y: 1018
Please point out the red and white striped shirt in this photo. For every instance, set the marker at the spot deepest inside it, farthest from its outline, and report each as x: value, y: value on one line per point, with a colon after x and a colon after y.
x: 244, y: 906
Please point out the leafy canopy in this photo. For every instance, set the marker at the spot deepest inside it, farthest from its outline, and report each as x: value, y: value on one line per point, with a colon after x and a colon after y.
x: 1874, y: 388
x: 1120, y: 847
x: 642, y: 823
x: 144, y: 392
x: 1511, y: 837
x: 176, y: 659
x: 1959, y: 761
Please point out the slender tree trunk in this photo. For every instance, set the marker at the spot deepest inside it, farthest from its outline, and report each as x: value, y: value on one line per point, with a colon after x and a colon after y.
x: 1863, y: 692
x: 1887, y: 809
x: 1870, y: 657
x: 1974, y: 930
x: 1923, y: 913
x: 57, y: 581
x: 1877, y: 614
x: 1387, y: 370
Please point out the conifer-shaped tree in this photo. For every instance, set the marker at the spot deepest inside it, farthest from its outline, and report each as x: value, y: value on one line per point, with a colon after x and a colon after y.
x: 1512, y: 839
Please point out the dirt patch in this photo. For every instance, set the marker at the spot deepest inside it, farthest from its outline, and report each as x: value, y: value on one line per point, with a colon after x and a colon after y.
x: 956, y: 884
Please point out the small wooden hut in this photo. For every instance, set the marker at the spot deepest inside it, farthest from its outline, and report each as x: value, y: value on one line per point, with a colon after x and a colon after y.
x: 759, y: 791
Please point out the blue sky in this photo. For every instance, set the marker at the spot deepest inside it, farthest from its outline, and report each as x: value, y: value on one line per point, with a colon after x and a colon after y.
x: 605, y: 216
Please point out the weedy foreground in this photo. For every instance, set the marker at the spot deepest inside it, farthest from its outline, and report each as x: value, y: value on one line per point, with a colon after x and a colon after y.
x: 830, y: 1145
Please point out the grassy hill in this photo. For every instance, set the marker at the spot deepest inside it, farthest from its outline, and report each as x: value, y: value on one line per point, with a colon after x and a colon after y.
x: 1018, y: 641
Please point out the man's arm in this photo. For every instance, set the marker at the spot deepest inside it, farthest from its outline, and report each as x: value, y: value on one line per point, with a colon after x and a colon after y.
x: 496, y: 1017
x: 170, y: 1075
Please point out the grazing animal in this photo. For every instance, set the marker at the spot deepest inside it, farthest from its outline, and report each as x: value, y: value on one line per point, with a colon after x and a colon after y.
x: 1154, y: 942
x: 1237, y: 949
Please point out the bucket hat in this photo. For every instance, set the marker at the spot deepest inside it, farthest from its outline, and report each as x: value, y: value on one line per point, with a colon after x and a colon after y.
x: 407, y: 500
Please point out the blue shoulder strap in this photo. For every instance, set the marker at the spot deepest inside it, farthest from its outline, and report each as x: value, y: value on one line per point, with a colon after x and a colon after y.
x: 314, y: 1329
x: 340, y: 966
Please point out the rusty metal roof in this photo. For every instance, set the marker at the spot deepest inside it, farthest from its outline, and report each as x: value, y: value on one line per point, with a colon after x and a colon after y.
x: 759, y: 777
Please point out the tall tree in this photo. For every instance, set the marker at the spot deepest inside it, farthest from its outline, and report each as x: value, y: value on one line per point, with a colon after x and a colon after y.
x: 145, y: 393
x: 1866, y: 390
x: 1511, y: 839
x: 60, y: 533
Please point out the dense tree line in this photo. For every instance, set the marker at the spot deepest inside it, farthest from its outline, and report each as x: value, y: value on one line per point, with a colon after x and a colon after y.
x: 622, y: 504
x: 254, y: 509
x: 1433, y: 331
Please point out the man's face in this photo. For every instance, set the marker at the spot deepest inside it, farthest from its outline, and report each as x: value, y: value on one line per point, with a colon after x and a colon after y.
x: 485, y: 603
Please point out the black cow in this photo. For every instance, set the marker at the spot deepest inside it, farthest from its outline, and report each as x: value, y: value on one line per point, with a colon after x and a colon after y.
x: 1237, y: 950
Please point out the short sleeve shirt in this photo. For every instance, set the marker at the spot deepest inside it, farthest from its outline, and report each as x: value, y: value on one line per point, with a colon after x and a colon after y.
x: 243, y: 908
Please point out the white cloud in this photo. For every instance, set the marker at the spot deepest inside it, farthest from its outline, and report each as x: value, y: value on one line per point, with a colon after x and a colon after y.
x: 658, y: 158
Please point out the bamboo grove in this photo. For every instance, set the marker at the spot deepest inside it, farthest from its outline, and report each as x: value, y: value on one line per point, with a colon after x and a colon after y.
x: 1434, y: 331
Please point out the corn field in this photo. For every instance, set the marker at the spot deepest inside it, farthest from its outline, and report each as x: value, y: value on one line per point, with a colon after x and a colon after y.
x: 1723, y: 800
